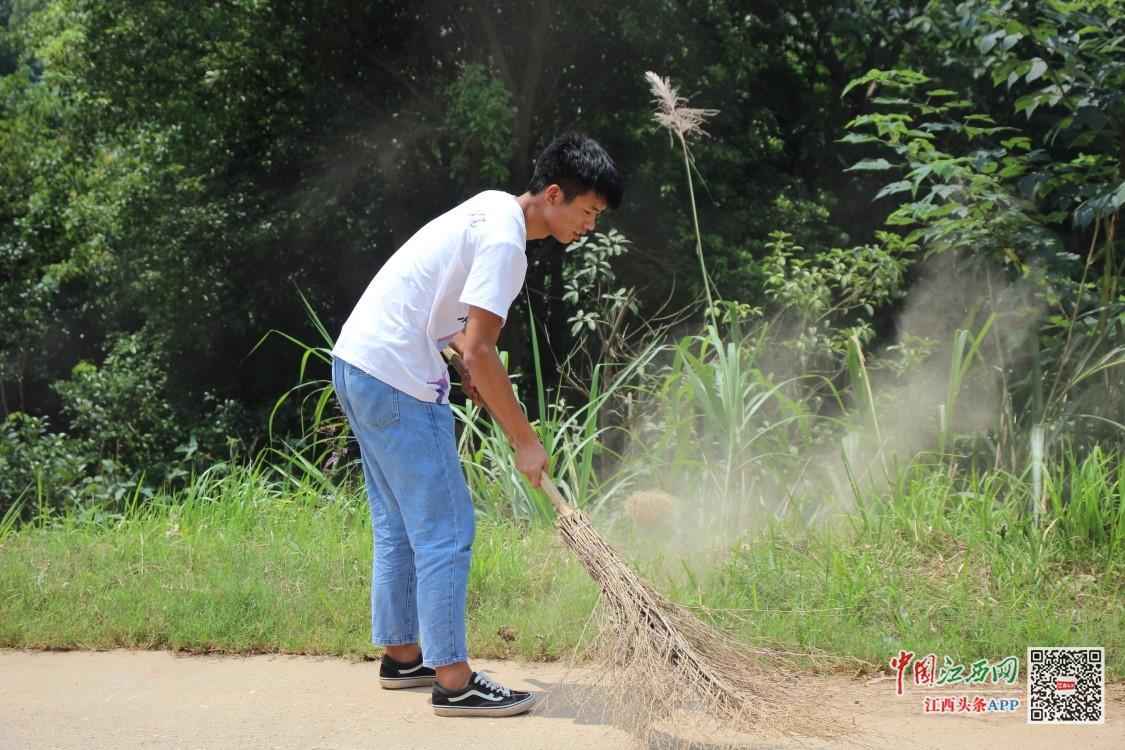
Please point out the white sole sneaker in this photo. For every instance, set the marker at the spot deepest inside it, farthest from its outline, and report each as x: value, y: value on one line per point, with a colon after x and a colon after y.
x: 397, y: 683
x: 394, y: 675
x: 510, y: 709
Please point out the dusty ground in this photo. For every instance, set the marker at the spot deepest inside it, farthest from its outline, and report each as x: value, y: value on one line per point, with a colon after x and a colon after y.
x: 143, y: 699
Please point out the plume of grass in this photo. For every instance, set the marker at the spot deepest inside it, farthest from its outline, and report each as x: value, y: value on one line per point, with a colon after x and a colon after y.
x: 682, y: 121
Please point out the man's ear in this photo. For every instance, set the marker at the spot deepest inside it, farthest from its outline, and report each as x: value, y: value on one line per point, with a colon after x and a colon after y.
x: 554, y: 194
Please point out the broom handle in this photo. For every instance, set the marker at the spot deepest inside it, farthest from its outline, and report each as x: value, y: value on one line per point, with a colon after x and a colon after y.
x: 545, y: 483
x: 561, y: 505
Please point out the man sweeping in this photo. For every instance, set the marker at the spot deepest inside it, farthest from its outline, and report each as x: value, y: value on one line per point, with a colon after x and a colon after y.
x: 451, y: 284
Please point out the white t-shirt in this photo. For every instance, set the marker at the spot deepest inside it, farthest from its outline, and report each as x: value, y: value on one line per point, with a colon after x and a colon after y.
x: 473, y: 254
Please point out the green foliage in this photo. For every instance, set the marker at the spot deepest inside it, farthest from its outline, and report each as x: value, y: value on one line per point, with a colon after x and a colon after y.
x: 131, y: 201
x: 588, y: 288
x: 172, y: 169
x: 121, y: 406
x: 1067, y: 166
x: 39, y: 470
x: 834, y: 293
x: 124, y: 436
x: 958, y: 199
x: 480, y: 116
x: 1066, y: 56
x: 1035, y: 195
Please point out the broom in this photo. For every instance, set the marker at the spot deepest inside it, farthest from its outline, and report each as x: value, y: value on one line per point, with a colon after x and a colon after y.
x: 668, y: 660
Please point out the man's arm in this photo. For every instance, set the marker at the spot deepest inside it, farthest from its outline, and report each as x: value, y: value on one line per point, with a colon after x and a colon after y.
x: 477, y: 346
x: 457, y: 344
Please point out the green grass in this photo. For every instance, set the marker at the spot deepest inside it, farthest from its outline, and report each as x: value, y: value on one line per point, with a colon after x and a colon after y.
x: 242, y: 562
x: 950, y: 566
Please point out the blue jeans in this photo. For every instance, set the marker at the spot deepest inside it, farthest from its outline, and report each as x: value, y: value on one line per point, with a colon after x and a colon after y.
x: 422, y: 517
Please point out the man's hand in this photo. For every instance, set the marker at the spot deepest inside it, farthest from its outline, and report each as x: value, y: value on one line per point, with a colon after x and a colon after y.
x: 470, y: 389
x: 466, y: 380
x: 532, y: 461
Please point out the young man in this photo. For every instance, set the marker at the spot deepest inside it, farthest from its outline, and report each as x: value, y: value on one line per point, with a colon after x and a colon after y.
x: 451, y: 284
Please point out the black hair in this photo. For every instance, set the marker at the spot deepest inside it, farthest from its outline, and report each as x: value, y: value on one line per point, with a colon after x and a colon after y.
x: 577, y: 163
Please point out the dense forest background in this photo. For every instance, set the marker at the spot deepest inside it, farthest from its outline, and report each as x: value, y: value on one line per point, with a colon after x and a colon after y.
x: 179, y: 179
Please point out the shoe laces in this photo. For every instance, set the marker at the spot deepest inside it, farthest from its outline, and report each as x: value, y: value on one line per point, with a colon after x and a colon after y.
x: 483, y: 680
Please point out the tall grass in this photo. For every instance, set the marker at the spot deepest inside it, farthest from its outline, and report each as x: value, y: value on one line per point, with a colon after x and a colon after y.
x: 965, y: 349
x: 275, y: 555
x: 718, y: 426
x: 741, y: 448
x: 952, y: 566
x: 323, y: 430
x: 574, y: 436
x: 245, y: 560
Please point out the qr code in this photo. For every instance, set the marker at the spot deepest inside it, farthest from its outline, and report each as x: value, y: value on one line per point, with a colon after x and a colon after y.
x: 1065, y: 685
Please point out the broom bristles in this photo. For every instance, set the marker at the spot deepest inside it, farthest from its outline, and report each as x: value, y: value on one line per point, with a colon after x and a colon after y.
x: 664, y: 661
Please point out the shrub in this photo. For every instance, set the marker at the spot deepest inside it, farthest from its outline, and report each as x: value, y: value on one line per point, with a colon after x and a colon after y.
x: 38, y: 468
x: 120, y: 408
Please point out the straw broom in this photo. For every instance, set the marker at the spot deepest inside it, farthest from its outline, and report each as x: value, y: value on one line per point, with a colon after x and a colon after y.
x: 668, y: 660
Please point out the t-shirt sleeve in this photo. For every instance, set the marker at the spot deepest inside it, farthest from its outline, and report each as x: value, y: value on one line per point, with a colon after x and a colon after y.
x: 495, y: 278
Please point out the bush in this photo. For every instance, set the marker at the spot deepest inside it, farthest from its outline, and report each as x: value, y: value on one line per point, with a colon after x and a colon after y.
x: 120, y: 408
x: 37, y: 467
x: 125, y: 437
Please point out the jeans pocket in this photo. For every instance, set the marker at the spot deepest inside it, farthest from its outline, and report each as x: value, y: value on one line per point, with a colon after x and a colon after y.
x: 375, y: 402
x: 385, y: 412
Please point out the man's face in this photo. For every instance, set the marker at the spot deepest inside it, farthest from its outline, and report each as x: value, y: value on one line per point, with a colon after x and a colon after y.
x: 569, y: 221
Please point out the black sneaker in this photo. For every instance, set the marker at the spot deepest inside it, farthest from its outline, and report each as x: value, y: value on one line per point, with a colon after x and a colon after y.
x: 394, y: 674
x: 481, y: 697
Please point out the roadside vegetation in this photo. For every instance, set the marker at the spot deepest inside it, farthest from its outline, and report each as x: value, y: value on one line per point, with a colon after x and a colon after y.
x: 838, y: 427
x: 246, y: 561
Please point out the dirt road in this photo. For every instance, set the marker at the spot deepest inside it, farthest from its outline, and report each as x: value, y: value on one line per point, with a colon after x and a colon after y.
x: 145, y: 699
